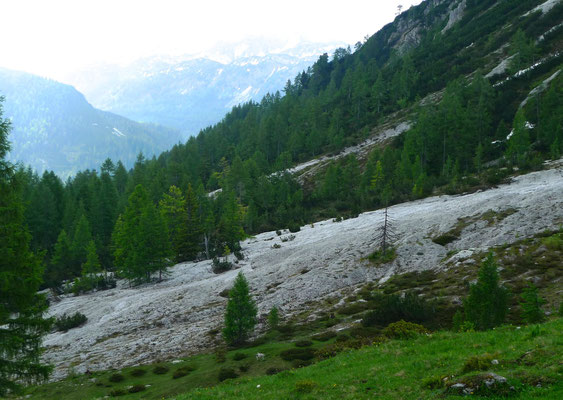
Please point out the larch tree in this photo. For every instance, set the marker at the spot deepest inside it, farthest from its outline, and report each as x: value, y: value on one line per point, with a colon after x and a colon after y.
x: 21, y: 309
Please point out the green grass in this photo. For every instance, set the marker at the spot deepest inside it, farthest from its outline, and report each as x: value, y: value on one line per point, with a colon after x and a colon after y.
x: 400, y: 369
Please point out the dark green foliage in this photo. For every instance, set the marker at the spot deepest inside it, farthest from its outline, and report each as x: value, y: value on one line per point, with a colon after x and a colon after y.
x: 137, y: 388
x: 325, y: 336
x: 160, y: 369
x: 352, y: 309
x: 219, y: 266
x: 240, y: 316
x: 118, y: 392
x: 445, y: 239
x: 297, y: 354
x: 65, y: 322
x: 138, y: 372
x: 21, y: 308
x: 182, y: 371
x: 403, y: 330
x: 273, y: 318
x: 274, y: 370
x: 487, y: 303
x: 303, y: 343
x: 457, y: 321
x: 117, y: 377
x: 478, y: 363
x: 239, y: 356
x: 531, y: 305
x: 392, y: 308
x: 227, y: 373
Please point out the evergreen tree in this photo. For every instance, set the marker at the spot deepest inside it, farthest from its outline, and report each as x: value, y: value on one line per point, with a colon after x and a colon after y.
x: 60, y: 267
x: 194, y: 226
x: 531, y: 305
x: 240, y: 316
x: 487, y: 303
x: 21, y: 309
x: 82, y: 238
x: 92, y: 265
x: 173, y: 209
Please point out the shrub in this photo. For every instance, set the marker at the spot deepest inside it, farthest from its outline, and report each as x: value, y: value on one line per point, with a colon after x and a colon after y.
x: 227, y: 373
x: 138, y: 372
x: 478, y: 363
x: 240, y: 316
x: 403, y: 330
x: 219, y: 267
x: 274, y: 370
x: 137, y: 388
x: 276, y: 246
x: 244, y: 367
x: 487, y: 303
x: 364, y: 332
x: 221, y: 355
x: 554, y: 242
x: 117, y: 392
x: 435, y: 382
x: 65, y: 322
x: 342, y: 338
x: 238, y: 254
x: 286, y: 330
x: 294, y: 227
x: 160, y: 369
x: 305, y: 386
x: 117, y: 377
x: 278, y: 232
x: 182, y: 371
x: 325, y: 336
x: 239, y: 356
x: 445, y: 239
x: 353, y: 309
x: 297, y: 354
x: 393, y: 308
x: 303, y: 343
x: 457, y: 321
x: 378, y: 257
x: 329, y: 351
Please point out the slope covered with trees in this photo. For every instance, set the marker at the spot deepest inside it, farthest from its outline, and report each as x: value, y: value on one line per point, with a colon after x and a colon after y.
x: 469, y: 131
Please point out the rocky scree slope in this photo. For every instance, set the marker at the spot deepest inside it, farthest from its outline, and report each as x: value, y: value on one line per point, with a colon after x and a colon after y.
x: 128, y: 326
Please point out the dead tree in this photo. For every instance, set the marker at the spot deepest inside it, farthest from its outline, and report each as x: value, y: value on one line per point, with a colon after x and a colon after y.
x: 386, y: 236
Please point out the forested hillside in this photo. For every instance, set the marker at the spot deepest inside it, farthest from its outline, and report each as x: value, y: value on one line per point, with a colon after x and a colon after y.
x: 54, y: 128
x: 470, y: 129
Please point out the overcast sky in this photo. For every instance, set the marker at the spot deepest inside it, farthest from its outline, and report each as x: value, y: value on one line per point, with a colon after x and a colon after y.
x: 54, y: 37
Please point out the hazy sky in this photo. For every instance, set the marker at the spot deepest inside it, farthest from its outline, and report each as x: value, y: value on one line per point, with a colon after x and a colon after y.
x: 54, y: 37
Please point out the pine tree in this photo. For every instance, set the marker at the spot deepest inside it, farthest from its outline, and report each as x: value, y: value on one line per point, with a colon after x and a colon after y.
x: 92, y: 265
x: 60, y: 267
x: 240, y: 316
x: 82, y: 236
x: 173, y: 209
x: 194, y: 225
x: 21, y: 309
x: 531, y: 305
x: 487, y: 303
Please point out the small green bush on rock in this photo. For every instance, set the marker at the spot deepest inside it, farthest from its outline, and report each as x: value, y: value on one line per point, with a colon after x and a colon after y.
x: 117, y: 393
x: 325, y: 336
x: 137, y: 388
x: 239, y: 356
x: 138, y: 372
x: 182, y: 371
x: 65, y: 322
x: 478, y: 363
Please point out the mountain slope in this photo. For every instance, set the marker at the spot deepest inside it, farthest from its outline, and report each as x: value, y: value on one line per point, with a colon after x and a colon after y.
x: 193, y: 93
x: 54, y: 127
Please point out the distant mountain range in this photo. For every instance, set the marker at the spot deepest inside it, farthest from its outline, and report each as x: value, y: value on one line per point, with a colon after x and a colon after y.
x: 192, y: 92
x: 55, y: 128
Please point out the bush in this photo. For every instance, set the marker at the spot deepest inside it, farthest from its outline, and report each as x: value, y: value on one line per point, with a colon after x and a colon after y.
x: 227, y: 373
x: 182, y: 371
x: 219, y: 267
x: 364, y: 332
x: 221, y: 355
x: 239, y: 356
x: 330, y: 351
x: 138, y: 372
x: 160, y: 369
x: 435, y: 382
x: 378, y: 257
x: 325, y: 336
x: 478, y: 363
x: 273, y: 318
x: 297, y: 354
x: 117, y: 393
x: 303, y: 343
x: 393, y: 308
x: 117, y: 377
x: 301, y: 363
x: 342, y: 338
x: 278, y: 232
x: 305, y: 386
x: 244, y: 367
x: 137, y: 388
x: 274, y: 370
x: 403, y: 330
x: 294, y: 227
x: 445, y: 239
x: 65, y: 322
x: 353, y: 309
x: 238, y: 254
